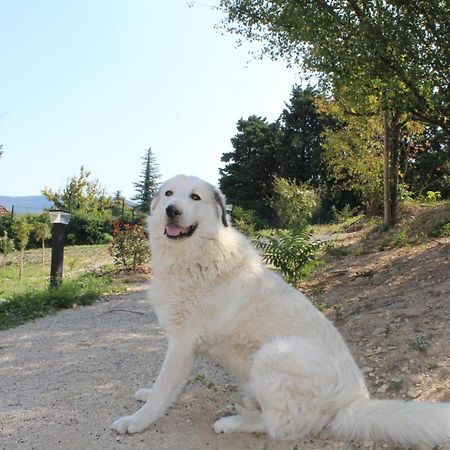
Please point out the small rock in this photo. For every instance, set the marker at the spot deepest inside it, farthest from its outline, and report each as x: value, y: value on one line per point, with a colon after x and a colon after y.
x: 413, y: 393
x: 367, y: 369
x: 382, y: 389
x: 416, y: 379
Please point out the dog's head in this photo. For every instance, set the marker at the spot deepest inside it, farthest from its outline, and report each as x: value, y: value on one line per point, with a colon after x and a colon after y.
x: 186, y: 206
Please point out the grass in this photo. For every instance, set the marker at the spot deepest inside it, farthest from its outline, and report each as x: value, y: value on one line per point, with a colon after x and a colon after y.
x: 77, y: 259
x: 81, y: 290
x: 87, y: 276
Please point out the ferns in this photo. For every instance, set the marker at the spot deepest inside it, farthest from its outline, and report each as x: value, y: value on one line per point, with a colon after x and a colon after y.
x: 289, y: 251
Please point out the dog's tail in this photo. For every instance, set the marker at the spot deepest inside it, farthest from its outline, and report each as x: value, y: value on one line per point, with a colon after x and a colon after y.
x: 410, y: 423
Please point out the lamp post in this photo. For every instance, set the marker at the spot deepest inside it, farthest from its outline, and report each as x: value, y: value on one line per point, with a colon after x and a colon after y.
x: 59, y: 219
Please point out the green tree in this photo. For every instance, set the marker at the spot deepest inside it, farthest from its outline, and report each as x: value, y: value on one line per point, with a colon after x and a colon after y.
x: 91, y: 208
x: 250, y: 169
x: 147, y: 186
x: 398, y: 51
x: 42, y: 231
x: 80, y: 193
x: 22, y: 230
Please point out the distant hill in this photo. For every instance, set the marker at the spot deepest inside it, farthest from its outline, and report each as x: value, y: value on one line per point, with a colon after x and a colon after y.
x: 26, y: 205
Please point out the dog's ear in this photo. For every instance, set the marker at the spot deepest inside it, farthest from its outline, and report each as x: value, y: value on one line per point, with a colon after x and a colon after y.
x: 221, y: 201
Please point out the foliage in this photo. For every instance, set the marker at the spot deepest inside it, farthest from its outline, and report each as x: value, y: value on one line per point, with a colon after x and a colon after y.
x: 148, y: 184
x: 353, y: 155
x: 396, y: 50
x: 42, y: 232
x: 246, y: 221
x: 289, y: 251
x: 89, y: 227
x: 22, y: 229
x: 249, y: 171
x: 444, y: 231
x: 343, y: 215
x: 129, y: 246
x: 295, y: 204
x: 37, y: 302
x: 290, y: 148
x: 6, y: 246
x: 302, y: 124
x: 80, y: 194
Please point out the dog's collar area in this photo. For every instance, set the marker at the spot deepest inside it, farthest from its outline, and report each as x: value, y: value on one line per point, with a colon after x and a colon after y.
x: 175, y: 232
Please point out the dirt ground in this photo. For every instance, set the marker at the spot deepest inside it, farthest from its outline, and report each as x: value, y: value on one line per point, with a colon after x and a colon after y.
x: 65, y: 378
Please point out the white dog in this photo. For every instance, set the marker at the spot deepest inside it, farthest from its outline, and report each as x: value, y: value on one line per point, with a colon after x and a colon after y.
x: 213, y: 296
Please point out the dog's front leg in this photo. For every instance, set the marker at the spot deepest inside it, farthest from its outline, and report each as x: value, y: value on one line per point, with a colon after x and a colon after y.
x: 177, y: 367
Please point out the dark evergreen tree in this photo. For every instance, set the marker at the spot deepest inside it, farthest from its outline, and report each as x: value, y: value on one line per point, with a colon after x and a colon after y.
x: 148, y: 185
x: 301, y: 143
x: 250, y: 169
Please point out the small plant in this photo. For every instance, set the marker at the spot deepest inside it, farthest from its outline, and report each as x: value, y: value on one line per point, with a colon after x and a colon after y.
x: 346, y: 215
x: 22, y: 230
x: 444, y: 230
x: 129, y: 245
x: 290, y: 252
x: 6, y: 246
x: 399, y: 238
x: 433, y: 196
x: 42, y: 231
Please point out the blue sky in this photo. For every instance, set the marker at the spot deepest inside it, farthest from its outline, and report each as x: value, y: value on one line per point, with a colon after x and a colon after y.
x: 96, y: 82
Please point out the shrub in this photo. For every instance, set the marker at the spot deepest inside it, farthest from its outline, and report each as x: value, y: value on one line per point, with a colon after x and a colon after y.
x: 6, y: 246
x: 88, y: 228
x: 246, y: 221
x: 129, y: 245
x: 290, y: 252
x: 295, y: 204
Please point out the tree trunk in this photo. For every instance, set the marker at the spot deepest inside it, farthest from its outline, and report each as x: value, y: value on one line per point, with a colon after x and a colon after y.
x: 21, y: 265
x: 390, y: 167
x: 43, y: 255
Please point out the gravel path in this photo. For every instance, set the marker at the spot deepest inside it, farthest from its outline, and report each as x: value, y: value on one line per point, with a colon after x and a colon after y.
x: 65, y: 378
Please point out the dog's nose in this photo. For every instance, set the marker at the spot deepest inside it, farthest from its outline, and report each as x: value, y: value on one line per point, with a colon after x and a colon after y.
x: 172, y: 211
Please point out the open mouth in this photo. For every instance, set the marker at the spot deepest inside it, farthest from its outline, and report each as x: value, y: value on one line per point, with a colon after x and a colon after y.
x: 175, y: 232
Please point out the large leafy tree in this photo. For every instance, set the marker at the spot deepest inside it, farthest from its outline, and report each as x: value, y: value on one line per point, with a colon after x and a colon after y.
x: 249, y: 171
x: 396, y: 50
x: 147, y: 186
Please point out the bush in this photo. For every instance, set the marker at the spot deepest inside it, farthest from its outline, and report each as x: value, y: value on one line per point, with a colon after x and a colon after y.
x: 129, y: 245
x: 88, y: 228
x: 290, y: 252
x: 295, y: 204
x: 246, y: 221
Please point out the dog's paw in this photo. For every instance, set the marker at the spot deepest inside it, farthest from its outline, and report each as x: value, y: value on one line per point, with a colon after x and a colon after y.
x: 228, y: 424
x: 130, y: 424
x: 142, y: 395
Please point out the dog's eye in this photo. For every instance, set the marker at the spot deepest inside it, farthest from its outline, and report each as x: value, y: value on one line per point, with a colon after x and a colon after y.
x: 195, y: 197
x: 168, y: 193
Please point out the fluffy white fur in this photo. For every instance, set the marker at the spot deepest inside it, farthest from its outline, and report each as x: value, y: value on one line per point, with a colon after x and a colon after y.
x: 213, y: 296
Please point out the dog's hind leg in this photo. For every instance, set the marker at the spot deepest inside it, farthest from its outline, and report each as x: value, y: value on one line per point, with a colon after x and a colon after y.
x: 240, y: 423
x: 289, y: 378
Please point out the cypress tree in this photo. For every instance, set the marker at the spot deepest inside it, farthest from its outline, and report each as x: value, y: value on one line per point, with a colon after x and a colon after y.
x: 147, y: 186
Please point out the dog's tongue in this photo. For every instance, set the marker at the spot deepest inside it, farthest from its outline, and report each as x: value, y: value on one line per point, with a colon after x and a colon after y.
x: 173, y: 230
